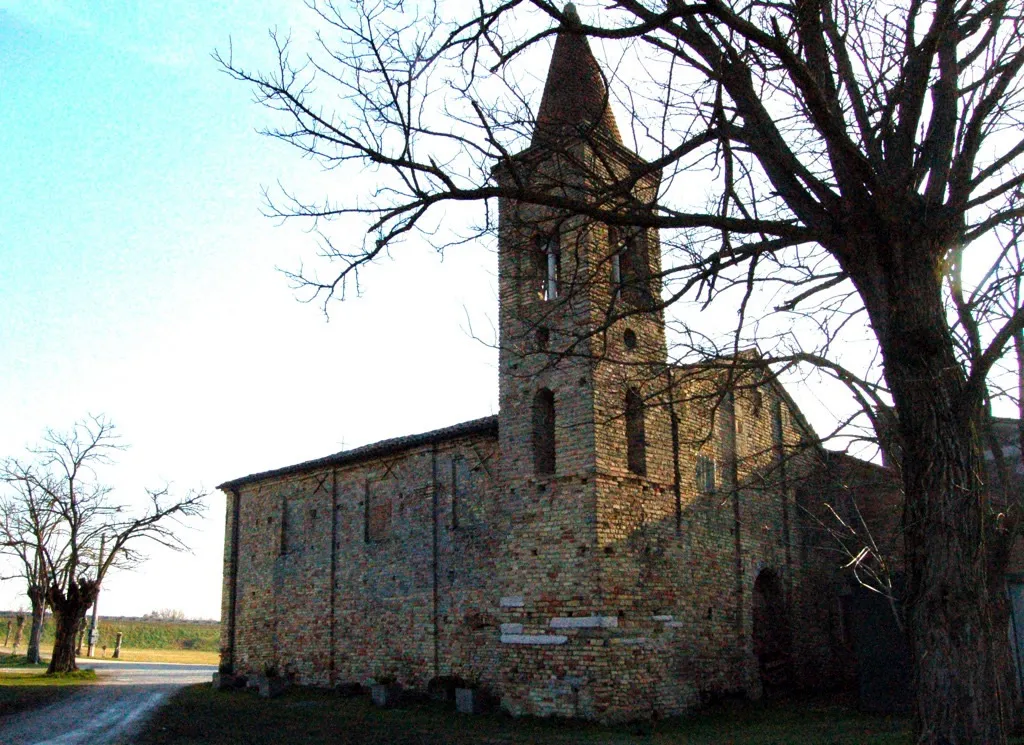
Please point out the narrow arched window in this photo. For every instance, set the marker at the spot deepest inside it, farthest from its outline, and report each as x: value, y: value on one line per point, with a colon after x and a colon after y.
x: 615, y: 260
x: 777, y: 435
x: 544, y: 431
x: 704, y: 471
x: 549, y: 266
x: 636, y: 445
x: 630, y: 270
x: 283, y: 543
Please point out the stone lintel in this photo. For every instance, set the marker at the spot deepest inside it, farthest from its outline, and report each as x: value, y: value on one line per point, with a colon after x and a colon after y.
x: 584, y: 622
x: 512, y: 601
x: 662, y: 619
x: 511, y: 628
x: 533, y: 639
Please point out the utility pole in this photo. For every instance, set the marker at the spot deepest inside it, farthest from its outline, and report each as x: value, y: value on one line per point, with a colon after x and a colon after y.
x: 94, y: 632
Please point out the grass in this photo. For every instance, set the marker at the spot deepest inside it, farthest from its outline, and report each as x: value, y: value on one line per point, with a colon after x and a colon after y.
x: 32, y: 689
x: 46, y: 680
x: 18, y: 660
x: 198, y: 714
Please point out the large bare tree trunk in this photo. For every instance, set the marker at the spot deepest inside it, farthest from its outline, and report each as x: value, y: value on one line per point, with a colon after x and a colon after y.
x: 959, y: 646
x: 37, y: 597
x: 69, y: 611
x: 63, y: 658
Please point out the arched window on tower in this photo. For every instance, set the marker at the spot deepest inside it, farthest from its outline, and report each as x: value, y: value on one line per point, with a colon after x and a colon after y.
x: 616, y: 273
x: 544, y: 431
x: 549, y: 267
x: 636, y: 444
x: 630, y: 273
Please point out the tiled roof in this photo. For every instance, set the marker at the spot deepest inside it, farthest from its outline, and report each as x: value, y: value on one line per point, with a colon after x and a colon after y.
x: 486, y: 426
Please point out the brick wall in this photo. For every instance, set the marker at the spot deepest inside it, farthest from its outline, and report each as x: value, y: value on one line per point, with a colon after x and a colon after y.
x: 406, y: 600
x: 589, y: 592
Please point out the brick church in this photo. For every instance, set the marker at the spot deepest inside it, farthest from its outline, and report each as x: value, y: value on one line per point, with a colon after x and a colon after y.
x: 626, y: 538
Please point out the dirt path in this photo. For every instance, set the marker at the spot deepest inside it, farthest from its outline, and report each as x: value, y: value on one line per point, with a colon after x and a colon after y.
x: 108, y: 712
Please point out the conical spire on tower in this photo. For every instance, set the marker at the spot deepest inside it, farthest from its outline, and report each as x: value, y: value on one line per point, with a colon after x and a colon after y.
x: 575, y: 100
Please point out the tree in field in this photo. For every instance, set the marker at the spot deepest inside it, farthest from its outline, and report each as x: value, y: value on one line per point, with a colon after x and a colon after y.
x: 844, y: 175
x: 60, y: 520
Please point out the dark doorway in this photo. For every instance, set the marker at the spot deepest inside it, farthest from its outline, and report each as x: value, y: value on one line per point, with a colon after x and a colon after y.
x: 772, y: 636
x: 884, y: 671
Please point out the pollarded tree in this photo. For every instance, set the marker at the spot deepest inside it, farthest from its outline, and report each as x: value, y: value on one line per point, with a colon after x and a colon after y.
x: 851, y: 163
x: 74, y: 530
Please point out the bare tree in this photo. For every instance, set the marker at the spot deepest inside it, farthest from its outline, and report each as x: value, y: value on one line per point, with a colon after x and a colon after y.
x: 63, y: 525
x: 857, y: 167
x: 26, y: 524
x: 165, y: 614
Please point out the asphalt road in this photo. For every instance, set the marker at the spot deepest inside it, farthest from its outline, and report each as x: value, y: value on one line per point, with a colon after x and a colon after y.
x: 107, y: 712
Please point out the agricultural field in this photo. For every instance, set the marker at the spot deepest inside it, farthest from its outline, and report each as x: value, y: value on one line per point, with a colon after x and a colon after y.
x: 150, y: 640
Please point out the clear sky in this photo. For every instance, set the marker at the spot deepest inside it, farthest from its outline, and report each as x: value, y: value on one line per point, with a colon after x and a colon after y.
x: 137, y: 275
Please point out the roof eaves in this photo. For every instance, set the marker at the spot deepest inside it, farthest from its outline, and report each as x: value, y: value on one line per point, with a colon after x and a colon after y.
x: 485, y: 426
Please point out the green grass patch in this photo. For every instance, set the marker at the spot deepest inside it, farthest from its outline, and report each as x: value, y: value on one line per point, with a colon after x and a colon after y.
x: 198, y: 714
x: 199, y: 636
x: 825, y: 720
x: 29, y: 690
x: 23, y: 679
x: 20, y: 661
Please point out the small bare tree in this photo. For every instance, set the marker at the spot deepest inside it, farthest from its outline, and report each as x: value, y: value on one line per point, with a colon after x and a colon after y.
x: 165, y: 614
x: 26, y: 524
x: 58, y: 514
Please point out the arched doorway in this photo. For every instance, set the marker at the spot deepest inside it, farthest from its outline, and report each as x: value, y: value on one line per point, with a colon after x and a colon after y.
x: 771, y: 632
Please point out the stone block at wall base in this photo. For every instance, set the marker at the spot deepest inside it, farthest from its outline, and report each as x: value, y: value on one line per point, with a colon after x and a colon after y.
x: 385, y: 696
x: 469, y: 701
x: 271, y: 687
x: 228, y: 681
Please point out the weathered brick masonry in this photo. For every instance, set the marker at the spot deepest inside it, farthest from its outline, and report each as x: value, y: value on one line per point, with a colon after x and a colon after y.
x: 626, y: 537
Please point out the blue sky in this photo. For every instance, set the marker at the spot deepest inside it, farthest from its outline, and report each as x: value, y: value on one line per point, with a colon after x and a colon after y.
x: 137, y: 275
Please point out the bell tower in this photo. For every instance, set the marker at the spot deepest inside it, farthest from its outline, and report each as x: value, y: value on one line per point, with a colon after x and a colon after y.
x: 580, y: 319
x: 585, y: 445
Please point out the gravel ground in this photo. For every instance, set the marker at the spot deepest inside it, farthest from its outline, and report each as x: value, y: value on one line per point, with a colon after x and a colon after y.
x: 107, y: 712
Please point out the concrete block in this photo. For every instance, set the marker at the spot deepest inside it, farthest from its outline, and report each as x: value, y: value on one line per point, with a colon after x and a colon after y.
x: 271, y: 687
x: 227, y: 681
x: 386, y: 696
x: 469, y: 701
